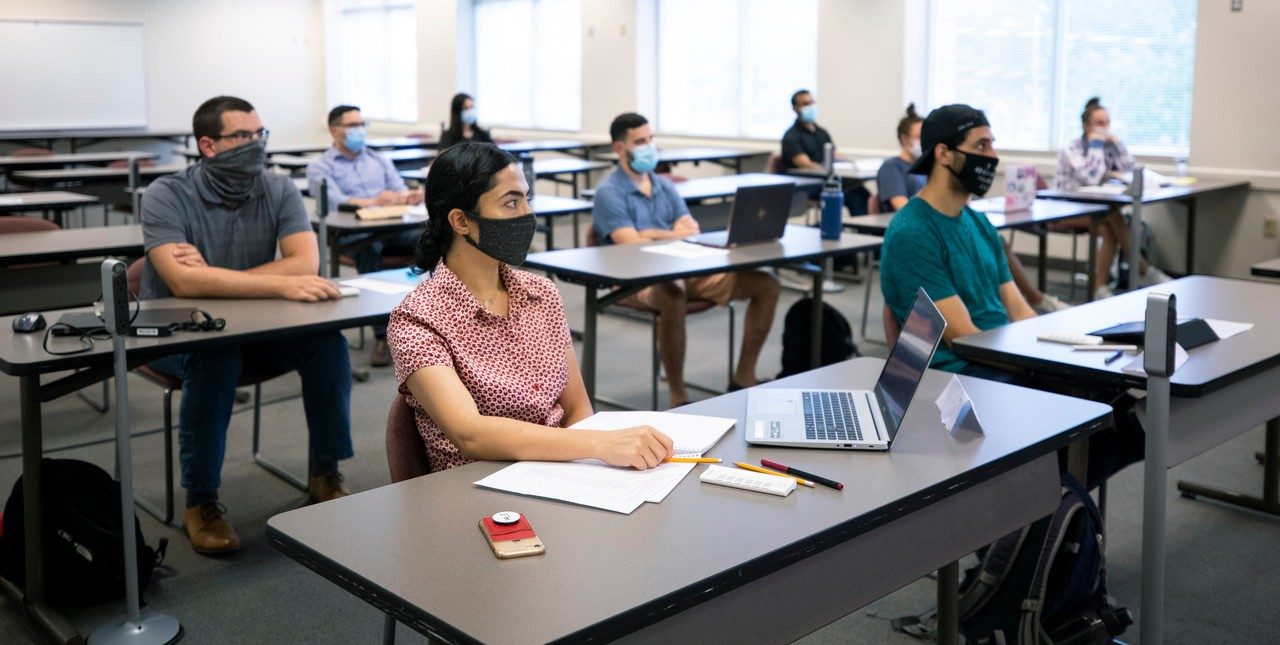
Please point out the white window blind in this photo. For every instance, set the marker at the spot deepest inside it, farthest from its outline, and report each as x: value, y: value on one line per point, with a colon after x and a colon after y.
x: 373, y: 57
x: 1032, y: 65
x: 528, y: 63
x: 727, y: 68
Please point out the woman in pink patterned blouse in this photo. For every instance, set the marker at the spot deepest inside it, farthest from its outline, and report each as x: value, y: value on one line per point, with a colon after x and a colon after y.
x: 482, y: 350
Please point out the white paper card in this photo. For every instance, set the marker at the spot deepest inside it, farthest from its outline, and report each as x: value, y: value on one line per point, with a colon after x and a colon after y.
x: 9, y: 200
x: 1226, y: 329
x: 685, y: 250
x: 958, y: 412
x: 1135, y: 366
x: 693, y: 435
x: 869, y: 164
x: 381, y: 286
x: 416, y: 212
x: 590, y: 483
x: 1105, y: 189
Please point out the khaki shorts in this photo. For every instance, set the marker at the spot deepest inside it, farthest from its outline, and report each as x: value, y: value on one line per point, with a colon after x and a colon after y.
x: 717, y: 288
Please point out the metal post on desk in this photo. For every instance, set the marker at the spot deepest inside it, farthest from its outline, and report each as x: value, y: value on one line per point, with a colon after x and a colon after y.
x: 135, y: 186
x: 592, y: 311
x: 1135, y: 226
x: 322, y: 212
x: 1159, y: 352
x: 138, y: 626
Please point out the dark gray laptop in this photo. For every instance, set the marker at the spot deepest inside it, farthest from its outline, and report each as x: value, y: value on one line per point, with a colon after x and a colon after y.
x: 759, y: 215
x: 851, y: 419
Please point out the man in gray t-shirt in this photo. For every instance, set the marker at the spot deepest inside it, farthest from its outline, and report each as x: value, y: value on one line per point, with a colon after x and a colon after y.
x: 213, y: 231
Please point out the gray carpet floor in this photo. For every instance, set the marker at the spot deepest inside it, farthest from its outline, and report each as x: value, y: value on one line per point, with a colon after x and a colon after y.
x: 1223, y: 563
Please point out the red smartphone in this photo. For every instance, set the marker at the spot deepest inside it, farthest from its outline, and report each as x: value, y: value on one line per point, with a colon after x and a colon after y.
x: 510, y: 535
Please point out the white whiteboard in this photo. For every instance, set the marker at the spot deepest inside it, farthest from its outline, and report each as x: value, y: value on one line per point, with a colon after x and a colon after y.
x: 72, y: 75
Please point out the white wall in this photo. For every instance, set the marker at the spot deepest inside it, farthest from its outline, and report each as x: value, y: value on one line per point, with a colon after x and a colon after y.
x: 269, y: 53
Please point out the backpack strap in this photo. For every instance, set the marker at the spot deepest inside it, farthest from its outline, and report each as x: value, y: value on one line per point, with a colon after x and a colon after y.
x: 1030, y: 630
x: 995, y: 567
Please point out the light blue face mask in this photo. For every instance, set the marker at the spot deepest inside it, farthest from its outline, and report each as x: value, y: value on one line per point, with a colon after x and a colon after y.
x: 354, y: 139
x: 469, y: 116
x: 644, y: 158
x: 809, y: 113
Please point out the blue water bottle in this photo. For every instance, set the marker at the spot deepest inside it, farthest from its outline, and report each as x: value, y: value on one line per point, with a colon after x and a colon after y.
x: 832, y: 199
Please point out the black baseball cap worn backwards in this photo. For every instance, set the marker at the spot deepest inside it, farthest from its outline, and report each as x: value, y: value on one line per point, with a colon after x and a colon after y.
x: 946, y: 124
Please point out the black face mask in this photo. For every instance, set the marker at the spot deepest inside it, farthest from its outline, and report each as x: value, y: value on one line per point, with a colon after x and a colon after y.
x: 232, y: 174
x: 504, y: 239
x: 978, y: 172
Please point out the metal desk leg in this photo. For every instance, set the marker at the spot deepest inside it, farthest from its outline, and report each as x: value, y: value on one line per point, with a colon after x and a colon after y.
x: 335, y: 252
x: 1270, y: 501
x: 1092, y: 281
x: 576, y: 237
x: 1042, y: 280
x: 948, y: 604
x: 815, y: 325
x: 551, y: 233
x: 591, y: 310
x: 1191, y: 236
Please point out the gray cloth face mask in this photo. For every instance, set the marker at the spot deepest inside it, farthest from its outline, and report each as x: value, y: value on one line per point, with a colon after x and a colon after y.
x: 232, y: 174
x: 506, y: 240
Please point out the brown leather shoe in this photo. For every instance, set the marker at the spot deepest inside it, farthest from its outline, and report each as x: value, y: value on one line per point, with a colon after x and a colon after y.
x: 209, y: 531
x: 326, y: 487
x: 380, y: 357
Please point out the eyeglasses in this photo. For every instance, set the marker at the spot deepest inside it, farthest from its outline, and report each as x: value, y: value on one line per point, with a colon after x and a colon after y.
x: 244, y: 136
x: 357, y: 124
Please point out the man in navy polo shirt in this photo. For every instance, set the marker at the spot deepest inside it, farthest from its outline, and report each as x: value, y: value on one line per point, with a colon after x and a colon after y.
x: 634, y: 204
x: 803, y: 146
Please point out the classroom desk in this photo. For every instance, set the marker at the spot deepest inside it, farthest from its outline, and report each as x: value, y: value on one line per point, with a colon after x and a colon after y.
x: 621, y: 270
x: 73, y: 159
x: 92, y: 175
x: 730, y: 158
x: 1268, y: 269
x: 51, y: 203
x: 1042, y: 212
x: 89, y: 136
x: 1188, y: 196
x: 1224, y: 389
x: 851, y: 171
x: 343, y: 223
x: 704, y: 188
x: 59, y: 281
x: 708, y: 564
x: 21, y: 355
x: 405, y: 159
x: 70, y: 244
x: 555, y: 170
x: 302, y: 149
x: 574, y: 147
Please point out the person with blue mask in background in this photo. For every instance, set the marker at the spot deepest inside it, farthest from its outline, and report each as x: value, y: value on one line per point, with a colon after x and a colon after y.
x: 803, y: 147
x: 462, y: 123
x: 360, y: 176
x: 633, y: 205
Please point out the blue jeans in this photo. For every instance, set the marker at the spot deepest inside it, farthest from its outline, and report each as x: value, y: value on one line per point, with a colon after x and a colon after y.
x: 369, y: 258
x: 209, y: 380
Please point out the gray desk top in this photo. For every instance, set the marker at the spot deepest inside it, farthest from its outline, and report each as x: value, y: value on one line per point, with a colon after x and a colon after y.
x: 1208, y: 367
x: 541, y: 168
x: 70, y: 244
x: 844, y: 172
x: 702, y: 188
x: 547, y: 145
x: 299, y: 162
x: 1167, y: 193
x: 18, y: 202
x: 1268, y: 269
x: 93, y: 133
x: 1042, y: 211
x: 417, y: 547
x: 628, y: 264
x: 92, y: 174
x: 247, y: 321
x: 543, y: 205
x: 377, y: 143
x: 694, y: 153
x: 59, y: 160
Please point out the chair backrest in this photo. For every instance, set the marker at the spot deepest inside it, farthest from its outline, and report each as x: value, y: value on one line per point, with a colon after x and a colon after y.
x: 406, y: 452
x: 124, y: 163
x: 24, y: 224
x: 891, y: 328
x: 133, y: 275
x: 873, y: 204
x: 32, y: 152
x: 774, y: 164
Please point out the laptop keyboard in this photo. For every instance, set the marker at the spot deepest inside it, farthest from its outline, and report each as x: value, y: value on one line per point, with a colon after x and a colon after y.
x: 830, y: 415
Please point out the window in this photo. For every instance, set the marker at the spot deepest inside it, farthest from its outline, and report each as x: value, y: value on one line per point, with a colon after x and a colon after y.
x: 528, y: 63
x: 372, y: 57
x: 727, y: 68
x: 1032, y: 65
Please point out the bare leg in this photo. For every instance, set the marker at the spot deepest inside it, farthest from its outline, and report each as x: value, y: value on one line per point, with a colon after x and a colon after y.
x: 670, y: 301
x: 762, y: 290
x: 1020, y: 278
x: 1116, y: 220
x: 1106, y: 249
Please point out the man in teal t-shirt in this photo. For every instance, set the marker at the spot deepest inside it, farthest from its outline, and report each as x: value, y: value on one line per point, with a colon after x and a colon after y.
x: 937, y: 242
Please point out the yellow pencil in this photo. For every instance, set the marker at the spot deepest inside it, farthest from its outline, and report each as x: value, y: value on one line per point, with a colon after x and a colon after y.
x: 802, y: 482
x: 692, y: 460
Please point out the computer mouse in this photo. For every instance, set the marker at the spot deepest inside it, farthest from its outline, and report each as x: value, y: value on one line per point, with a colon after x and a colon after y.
x: 28, y: 322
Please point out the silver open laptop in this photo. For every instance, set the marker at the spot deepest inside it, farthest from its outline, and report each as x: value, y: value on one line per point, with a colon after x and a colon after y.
x: 851, y: 419
x: 759, y: 215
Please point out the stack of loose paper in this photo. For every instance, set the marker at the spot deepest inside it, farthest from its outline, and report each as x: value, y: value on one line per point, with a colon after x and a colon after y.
x: 592, y: 482
x: 685, y: 250
x: 382, y: 212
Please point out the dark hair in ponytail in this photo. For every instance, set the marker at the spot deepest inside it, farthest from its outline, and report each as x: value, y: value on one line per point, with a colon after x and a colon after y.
x: 912, y: 118
x: 1092, y: 106
x: 458, y: 177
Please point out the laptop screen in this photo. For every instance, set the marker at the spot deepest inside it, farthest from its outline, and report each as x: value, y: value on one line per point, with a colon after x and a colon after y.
x: 908, y: 360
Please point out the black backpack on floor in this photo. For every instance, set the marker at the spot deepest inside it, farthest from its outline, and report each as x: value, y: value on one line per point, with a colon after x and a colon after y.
x: 83, y: 540
x: 837, y: 337
x: 1045, y: 583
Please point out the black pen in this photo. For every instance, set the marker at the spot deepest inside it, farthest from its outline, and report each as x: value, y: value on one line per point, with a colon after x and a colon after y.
x: 1114, y: 357
x: 800, y: 473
